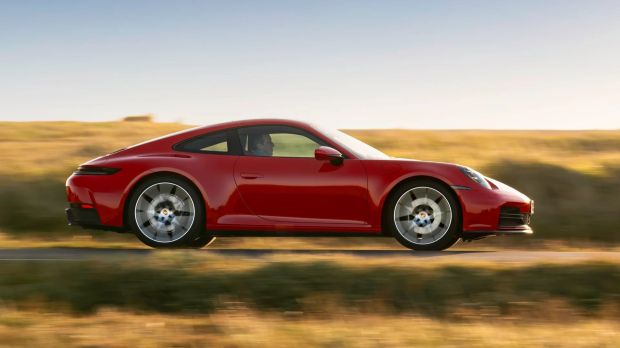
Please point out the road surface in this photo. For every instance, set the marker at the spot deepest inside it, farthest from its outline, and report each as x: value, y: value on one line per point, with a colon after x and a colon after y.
x: 502, y: 256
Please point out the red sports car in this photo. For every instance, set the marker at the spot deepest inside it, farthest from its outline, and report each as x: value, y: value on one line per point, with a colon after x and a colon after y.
x: 286, y: 178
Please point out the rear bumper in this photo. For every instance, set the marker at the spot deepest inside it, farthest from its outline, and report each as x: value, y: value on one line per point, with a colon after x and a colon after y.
x: 87, y: 218
x: 77, y: 216
x: 100, y: 191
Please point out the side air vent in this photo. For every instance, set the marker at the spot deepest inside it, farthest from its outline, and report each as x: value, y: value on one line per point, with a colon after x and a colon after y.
x: 512, y: 217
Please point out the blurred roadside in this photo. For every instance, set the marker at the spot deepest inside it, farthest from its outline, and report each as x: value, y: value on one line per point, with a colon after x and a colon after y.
x: 193, y: 299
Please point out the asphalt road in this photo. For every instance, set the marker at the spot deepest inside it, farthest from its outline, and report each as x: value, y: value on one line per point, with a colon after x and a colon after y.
x: 503, y: 256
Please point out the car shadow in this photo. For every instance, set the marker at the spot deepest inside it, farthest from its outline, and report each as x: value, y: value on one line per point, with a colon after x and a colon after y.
x: 360, y: 253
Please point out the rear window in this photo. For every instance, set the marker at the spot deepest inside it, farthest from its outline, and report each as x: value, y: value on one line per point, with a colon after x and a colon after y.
x: 215, y: 143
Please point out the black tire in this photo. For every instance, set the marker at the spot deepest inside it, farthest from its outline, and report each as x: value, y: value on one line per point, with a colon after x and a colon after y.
x: 445, y: 238
x: 192, y: 235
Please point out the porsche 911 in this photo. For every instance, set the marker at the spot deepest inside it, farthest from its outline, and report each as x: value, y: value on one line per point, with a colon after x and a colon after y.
x: 286, y: 178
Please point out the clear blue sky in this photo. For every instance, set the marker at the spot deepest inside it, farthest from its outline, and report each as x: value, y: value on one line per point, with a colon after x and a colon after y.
x: 351, y: 64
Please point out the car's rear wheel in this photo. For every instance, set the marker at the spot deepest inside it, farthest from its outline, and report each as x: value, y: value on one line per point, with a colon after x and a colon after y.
x: 423, y: 214
x: 167, y: 212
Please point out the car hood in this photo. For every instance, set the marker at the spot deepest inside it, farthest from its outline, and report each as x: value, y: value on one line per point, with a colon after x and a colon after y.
x: 448, y: 172
x: 402, y: 168
x: 414, y: 164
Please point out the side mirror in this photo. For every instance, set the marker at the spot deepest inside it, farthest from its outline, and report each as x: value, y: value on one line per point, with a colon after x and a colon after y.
x: 326, y: 153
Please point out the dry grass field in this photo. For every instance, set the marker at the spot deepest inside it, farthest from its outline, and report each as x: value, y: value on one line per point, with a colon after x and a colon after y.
x: 183, y: 299
x: 584, y: 152
x: 242, y: 328
x: 54, y: 149
x: 574, y: 176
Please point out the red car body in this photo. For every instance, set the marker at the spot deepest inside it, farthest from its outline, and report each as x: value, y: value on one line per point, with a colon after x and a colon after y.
x: 262, y: 195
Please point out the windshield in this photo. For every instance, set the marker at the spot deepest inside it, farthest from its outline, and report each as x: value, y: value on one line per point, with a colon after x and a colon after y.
x: 357, y: 147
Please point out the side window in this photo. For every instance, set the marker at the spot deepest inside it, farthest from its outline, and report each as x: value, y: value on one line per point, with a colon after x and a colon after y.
x: 277, y: 141
x: 221, y: 146
x: 217, y: 143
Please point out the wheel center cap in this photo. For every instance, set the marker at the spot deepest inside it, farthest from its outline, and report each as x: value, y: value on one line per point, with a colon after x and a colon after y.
x: 165, y: 212
x: 422, y: 218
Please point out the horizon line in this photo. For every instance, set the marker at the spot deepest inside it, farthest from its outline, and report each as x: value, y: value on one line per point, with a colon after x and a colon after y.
x: 341, y: 128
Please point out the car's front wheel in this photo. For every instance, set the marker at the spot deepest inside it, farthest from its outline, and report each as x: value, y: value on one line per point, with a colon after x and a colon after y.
x: 167, y: 212
x: 423, y: 214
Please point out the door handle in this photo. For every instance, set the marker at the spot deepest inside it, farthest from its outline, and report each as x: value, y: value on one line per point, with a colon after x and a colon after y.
x: 251, y: 176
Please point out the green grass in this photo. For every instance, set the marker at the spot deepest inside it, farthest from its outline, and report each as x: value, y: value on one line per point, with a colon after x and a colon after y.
x: 320, y: 287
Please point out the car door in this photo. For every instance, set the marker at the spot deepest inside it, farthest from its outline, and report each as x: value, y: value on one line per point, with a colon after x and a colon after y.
x: 287, y: 184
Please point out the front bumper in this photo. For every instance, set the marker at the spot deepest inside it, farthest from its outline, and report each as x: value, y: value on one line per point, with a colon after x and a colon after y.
x: 473, y: 235
x: 501, y: 210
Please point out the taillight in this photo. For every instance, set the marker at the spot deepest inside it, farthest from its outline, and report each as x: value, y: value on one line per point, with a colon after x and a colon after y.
x: 95, y: 170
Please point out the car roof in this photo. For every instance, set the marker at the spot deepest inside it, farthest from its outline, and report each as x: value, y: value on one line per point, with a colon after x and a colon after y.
x: 165, y: 142
x: 168, y: 139
x: 254, y: 122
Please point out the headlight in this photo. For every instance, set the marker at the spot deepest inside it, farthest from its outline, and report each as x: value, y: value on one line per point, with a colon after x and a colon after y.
x: 475, y: 176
